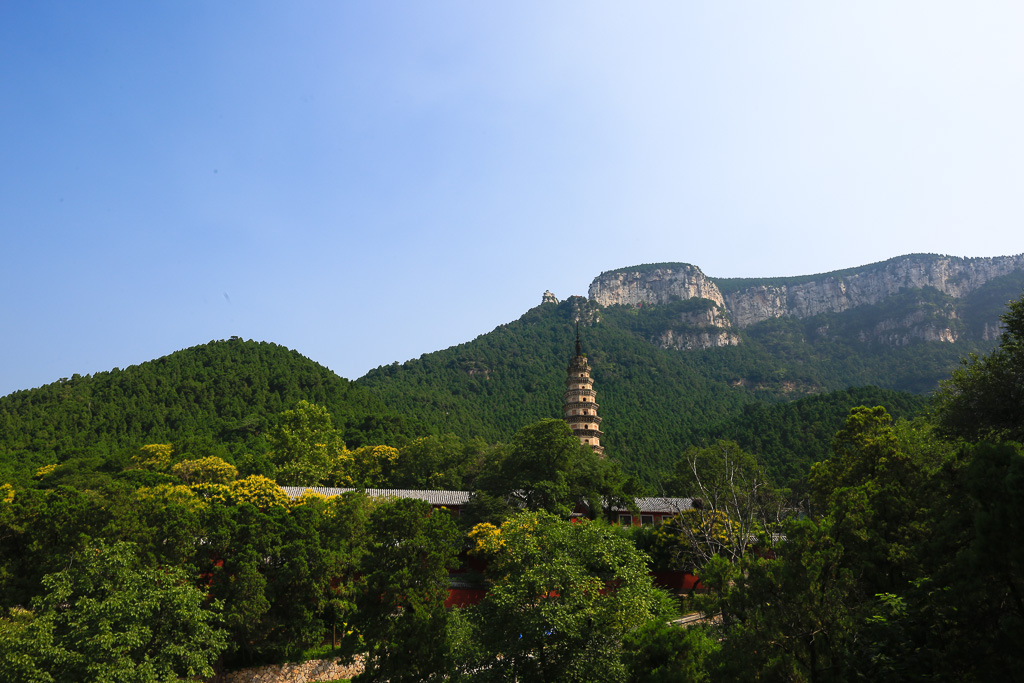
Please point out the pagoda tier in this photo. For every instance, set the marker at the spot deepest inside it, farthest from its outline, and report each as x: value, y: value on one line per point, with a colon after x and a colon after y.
x: 580, y: 392
x: 576, y: 420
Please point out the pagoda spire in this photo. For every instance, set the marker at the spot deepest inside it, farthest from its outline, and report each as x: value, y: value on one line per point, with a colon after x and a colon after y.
x: 579, y: 401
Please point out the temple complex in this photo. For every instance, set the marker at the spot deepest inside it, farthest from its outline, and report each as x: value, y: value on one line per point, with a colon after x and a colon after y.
x: 580, y: 407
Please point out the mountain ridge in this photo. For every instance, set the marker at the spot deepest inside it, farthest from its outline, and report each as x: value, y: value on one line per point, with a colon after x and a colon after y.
x: 749, y: 301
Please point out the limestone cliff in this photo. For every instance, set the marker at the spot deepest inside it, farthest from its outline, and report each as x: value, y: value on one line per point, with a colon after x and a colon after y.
x: 690, y: 340
x: 742, y: 303
x: 659, y: 285
x: 700, y: 329
x: 834, y: 293
x: 904, y: 330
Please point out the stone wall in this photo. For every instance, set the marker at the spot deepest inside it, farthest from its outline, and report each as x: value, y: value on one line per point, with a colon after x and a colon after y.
x: 303, y: 672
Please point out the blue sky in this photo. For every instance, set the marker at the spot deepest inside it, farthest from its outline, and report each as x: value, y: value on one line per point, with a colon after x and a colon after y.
x: 367, y: 182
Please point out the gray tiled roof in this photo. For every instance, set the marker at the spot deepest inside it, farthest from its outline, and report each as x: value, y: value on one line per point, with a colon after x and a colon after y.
x: 661, y: 504
x: 432, y: 497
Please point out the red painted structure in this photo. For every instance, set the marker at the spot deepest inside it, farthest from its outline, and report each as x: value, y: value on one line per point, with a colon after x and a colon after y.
x: 464, y: 597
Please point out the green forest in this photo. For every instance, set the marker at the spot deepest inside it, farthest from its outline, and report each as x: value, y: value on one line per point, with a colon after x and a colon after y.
x: 845, y: 523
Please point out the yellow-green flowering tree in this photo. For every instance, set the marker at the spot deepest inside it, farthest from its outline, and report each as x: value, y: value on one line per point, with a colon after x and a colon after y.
x: 155, y: 456
x: 692, y: 537
x: 208, y: 470
x: 169, y: 494
x: 305, y: 447
x: 258, y: 491
x: 371, y: 466
x: 45, y: 470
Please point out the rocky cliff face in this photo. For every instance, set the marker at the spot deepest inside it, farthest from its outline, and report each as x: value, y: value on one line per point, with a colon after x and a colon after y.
x: 955, y: 277
x: 703, y: 329
x: 916, y: 326
x: 657, y: 286
x: 696, y: 339
x: 806, y: 296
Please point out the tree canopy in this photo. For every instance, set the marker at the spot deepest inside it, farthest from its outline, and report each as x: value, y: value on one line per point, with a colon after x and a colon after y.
x: 546, y: 468
x: 104, y: 619
x: 562, y: 597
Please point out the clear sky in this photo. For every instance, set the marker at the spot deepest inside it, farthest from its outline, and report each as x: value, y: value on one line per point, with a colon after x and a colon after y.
x: 365, y: 182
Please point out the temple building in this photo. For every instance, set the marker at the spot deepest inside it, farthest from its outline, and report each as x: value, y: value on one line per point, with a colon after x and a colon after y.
x: 580, y: 408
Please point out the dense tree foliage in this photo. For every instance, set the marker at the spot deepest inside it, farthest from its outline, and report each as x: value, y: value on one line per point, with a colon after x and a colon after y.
x: 663, y: 652
x: 273, y: 565
x: 439, y: 462
x: 104, y: 619
x: 870, y: 489
x: 907, y: 569
x: 546, y: 468
x: 562, y: 597
x: 402, y: 590
x: 790, y: 437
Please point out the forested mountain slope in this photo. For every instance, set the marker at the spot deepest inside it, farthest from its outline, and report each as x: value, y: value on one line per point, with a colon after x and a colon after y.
x: 789, y: 437
x: 515, y: 375
x: 654, y: 402
x: 221, y: 394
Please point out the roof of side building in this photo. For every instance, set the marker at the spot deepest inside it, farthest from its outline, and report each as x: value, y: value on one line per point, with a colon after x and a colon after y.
x: 660, y: 504
x: 432, y: 497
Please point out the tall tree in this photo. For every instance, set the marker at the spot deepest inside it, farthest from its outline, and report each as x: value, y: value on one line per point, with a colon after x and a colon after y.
x: 786, y: 619
x: 401, y: 614
x: 733, y: 504
x: 274, y: 576
x: 305, y: 446
x: 562, y: 597
x: 546, y: 468
x: 984, y: 398
x: 871, y: 487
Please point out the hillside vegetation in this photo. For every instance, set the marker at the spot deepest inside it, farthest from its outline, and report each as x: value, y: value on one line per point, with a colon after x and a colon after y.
x: 218, y: 398
x: 656, y: 402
